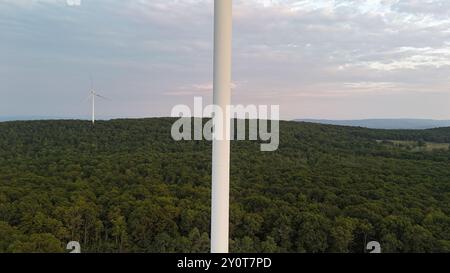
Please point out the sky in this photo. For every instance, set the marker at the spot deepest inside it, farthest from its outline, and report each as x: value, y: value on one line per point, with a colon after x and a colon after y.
x: 340, y: 59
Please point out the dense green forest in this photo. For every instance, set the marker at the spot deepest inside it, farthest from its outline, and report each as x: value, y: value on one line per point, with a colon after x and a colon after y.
x: 126, y: 186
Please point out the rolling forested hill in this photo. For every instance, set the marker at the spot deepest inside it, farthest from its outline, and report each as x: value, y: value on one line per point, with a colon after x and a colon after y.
x: 126, y: 186
x: 385, y: 123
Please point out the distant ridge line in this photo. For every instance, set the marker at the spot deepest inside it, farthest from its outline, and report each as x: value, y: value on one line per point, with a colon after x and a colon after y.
x: 384, y: 123
x: 390, y: 124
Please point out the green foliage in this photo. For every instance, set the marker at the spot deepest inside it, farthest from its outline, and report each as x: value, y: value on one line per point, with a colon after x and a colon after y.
x: 126, y: 186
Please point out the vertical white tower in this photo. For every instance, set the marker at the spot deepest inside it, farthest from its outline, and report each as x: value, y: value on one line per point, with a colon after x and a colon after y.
x: 221, y: 146
x: 93, y: 107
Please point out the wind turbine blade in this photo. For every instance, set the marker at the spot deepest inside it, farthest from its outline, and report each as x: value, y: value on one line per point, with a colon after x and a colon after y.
x: 85, y: 99
x: 92, y: 82
x: 100, y: 96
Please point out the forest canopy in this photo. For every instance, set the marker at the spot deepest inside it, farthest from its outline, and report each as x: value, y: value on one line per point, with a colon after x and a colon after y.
x: 126, y: 186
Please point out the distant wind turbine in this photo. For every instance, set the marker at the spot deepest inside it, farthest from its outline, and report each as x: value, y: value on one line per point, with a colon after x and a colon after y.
x: 92, y: 96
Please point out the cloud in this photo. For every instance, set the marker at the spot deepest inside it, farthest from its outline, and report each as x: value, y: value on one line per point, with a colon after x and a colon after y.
x: 408, y: 58
x: 161, y: 50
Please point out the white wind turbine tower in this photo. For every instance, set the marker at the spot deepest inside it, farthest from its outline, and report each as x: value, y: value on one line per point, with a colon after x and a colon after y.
x: 92, y: 96
x: 221, y: 147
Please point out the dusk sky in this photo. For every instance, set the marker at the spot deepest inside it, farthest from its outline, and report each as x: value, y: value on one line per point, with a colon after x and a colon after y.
x: 342, y: 59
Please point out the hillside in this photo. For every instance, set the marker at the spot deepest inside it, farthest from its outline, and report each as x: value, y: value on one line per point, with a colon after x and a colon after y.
x: 385, y: 123
x: 126, y: 186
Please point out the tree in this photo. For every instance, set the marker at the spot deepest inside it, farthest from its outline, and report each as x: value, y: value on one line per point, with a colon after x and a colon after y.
x: 37, y: 243
x: 312, y: 233
x: 119, y: 228
x: 269, y: 245
x: 341, y: 234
